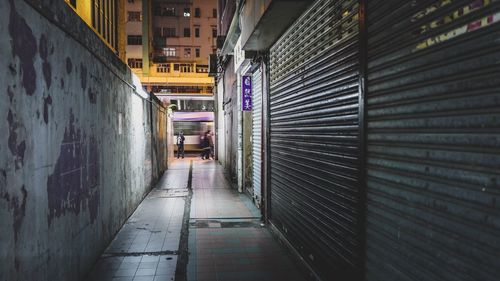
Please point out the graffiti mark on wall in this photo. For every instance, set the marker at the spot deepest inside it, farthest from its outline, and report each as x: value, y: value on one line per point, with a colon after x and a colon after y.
x: 73, y: 186
x: 16, y: 146
x: 44, y: 54
x: 24, y: 46
x: 464, y: 29
x: 46, y: 102
x: 450, y: 17
x: 15, y: 205
x: 430, y: 9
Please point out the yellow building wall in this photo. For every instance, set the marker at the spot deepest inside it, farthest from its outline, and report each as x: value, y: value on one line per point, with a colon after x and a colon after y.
x: 84, y: 11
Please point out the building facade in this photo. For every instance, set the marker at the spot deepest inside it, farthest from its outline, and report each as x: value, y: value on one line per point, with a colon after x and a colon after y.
x: 106, y: 18
x: 173, y: 56
x: 168, y: 46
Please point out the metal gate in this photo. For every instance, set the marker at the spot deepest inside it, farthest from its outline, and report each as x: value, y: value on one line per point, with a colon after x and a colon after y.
x: 257, y: 135
x: 315, y: 138
x: 433, y: 112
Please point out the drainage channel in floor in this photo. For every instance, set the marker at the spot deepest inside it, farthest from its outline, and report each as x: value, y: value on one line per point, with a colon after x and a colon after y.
x: 214, y: 223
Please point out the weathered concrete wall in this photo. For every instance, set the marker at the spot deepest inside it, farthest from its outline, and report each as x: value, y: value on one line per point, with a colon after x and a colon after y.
x: 77, y: 151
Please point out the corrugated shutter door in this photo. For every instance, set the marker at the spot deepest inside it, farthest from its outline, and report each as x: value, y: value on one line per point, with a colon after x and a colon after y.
x: 257, y: 135
x: 433, y: 111
x: 314, y: 136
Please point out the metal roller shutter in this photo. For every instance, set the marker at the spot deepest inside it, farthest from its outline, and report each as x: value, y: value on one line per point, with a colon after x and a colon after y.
x: 433, y: 135
x: 257, y: 135
x: 314, y: 138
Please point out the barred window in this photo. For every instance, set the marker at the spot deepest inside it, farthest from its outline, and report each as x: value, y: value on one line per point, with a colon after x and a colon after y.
x: 134, y: 63
x: 104, y: 20
x: 134, y: 16
x: 169, y: 32
x: 169, y: 52
x: 163, y: 68
x: 134, y: 40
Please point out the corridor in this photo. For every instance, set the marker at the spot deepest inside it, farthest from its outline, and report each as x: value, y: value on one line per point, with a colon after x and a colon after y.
x: 365, y: 135
x: 222, y: 237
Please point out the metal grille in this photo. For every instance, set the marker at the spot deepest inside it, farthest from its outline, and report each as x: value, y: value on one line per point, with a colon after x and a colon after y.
x: 433, y: 112
x: 257, y: 135
x: 314, y: 138
x: 324, y: 25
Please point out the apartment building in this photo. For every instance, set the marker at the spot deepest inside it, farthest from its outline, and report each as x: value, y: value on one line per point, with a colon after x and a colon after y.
x: 168, y: 44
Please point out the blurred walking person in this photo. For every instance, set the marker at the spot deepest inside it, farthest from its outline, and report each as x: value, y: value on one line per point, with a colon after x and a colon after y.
x: 211, y: 144
x: 180, y: 144
x: 206, y: 146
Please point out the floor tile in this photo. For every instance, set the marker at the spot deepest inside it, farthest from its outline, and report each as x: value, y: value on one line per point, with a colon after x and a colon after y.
x: 226, y: 241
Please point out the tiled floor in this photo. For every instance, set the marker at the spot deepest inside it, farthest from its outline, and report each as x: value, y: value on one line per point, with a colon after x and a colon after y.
x: 226, y: 239
x: 146, y: 246
x: 154, y: 226
x: 135, y: 268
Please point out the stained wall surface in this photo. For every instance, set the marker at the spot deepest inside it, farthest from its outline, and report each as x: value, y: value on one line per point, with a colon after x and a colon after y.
x: 78, y: 150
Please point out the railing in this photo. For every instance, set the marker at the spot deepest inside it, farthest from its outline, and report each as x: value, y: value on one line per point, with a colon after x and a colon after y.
x: 171, y: 68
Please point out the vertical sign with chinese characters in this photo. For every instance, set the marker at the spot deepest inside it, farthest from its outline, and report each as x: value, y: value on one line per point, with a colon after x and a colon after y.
x: 246, y: 91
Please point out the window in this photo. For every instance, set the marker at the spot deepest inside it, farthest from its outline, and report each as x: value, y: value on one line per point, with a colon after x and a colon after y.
x: 187, y: 53
x: 134, y: 40
x: 202, y: 68
x: 134, y: 16
x: 197, y: 52
x: 187, y: 13
x: 176, y: 67
x: 197, y: 12
x: 168, y: 12
x: 169, y: 32
x: 197, y: 32
x: 169, y: 52
x: 104, y: 20
x: 163, y: 68
x: 214, y: 13
x: 186, y: 68
x: 134, y: 63
x: 187, y: 32
x: 214, y: 32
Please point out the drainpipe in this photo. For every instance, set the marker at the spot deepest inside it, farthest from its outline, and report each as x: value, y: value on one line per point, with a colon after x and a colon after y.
x: 151, y: 129
x: 145, y: 37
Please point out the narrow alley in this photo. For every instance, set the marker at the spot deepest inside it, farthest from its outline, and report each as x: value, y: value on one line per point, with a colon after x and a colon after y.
x: 256, y: 140
x: 194, y: 226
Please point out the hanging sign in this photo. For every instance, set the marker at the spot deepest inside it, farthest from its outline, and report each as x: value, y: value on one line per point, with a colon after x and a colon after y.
x: 246, y: 91
x: 239, y: 55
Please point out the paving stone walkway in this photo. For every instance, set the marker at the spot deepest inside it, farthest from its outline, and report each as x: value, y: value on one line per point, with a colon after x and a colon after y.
x: 225, y: 238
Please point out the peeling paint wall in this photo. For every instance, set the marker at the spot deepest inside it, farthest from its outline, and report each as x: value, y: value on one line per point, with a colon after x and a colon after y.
x: 77, y: 150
